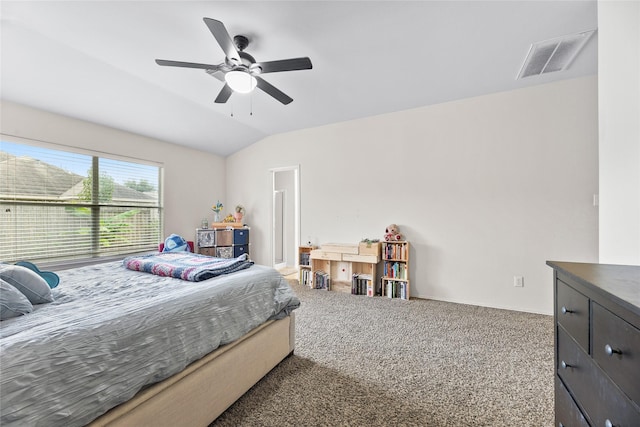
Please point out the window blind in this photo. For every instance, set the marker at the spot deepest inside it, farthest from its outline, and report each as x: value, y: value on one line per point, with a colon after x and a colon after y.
x: 59, y: 205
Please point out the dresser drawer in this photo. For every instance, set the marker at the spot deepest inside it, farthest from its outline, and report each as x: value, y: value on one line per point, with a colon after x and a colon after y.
x: 329, y: 256
x: 572, y: 312
x: 573, y: 366
x: 616, y: 348
x: 593, y: 391
x: 369, y: 259
x: 567, y: 412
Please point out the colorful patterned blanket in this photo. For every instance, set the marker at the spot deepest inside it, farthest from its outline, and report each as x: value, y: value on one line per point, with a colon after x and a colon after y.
x: 186, y: 265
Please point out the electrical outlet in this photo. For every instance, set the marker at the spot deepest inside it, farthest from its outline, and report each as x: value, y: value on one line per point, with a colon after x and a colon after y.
x: 518, y: 281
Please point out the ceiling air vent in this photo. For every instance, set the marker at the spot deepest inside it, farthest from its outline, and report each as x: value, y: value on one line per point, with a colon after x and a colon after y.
x: 553, y: 55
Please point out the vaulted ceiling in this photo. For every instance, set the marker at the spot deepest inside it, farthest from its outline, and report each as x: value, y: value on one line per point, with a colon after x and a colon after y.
x: 95, y: 60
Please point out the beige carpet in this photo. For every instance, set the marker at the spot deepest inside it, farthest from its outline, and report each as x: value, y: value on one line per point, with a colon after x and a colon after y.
x: 363, y: 361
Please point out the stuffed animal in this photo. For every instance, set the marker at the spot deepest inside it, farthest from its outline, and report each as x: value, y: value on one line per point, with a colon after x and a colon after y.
x: 392, y: 233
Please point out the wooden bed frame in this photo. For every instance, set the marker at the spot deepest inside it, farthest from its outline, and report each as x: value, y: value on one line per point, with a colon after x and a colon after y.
x: 206, y: 388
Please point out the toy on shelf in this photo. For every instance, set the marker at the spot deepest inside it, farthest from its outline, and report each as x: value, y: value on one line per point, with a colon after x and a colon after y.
x: 239, y: 214
x: 392, y: 233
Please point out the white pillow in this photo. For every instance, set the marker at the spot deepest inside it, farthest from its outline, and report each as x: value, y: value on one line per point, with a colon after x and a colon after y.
x: 13, y: 303
x: 27, y: 281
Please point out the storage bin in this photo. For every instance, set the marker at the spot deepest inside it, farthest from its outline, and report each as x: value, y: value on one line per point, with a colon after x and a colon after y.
x: 240, y: 236
x: 205, y: 238
x: 224, y: 237
x: 239, y: 250
x: 224, y: 252
x: 372, y: 248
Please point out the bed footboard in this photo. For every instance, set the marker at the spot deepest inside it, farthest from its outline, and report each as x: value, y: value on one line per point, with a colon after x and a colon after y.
x: 207, y: 387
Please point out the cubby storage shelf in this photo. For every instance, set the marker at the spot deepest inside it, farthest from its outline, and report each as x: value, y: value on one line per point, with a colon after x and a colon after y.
x: 227, y: 242
x: 395, y: 270
x: 304, y: 264
x: 345, y: 267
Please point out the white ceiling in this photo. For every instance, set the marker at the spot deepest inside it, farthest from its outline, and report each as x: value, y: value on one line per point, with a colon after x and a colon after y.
x: 94, y: 60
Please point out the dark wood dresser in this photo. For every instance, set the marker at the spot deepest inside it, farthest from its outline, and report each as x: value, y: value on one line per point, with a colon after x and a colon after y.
x: 597, y: 344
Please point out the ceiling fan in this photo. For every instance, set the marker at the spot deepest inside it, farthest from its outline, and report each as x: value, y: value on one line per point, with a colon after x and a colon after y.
x: 240, y: 71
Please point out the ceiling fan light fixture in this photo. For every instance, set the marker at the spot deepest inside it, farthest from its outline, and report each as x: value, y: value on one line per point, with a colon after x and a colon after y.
x: 240, y: 81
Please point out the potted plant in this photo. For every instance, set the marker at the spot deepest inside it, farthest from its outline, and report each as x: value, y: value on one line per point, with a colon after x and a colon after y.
x: 239, y: 213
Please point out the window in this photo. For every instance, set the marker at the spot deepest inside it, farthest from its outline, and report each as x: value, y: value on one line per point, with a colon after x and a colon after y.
x: 58, y: 205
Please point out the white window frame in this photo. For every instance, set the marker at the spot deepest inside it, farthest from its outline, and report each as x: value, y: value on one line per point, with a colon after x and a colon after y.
x: 95, y: 206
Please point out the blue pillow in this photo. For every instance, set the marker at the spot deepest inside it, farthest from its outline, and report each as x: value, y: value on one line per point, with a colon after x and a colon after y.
x: 13, y: 303
x: 34, y: 287
x: 175, y: 243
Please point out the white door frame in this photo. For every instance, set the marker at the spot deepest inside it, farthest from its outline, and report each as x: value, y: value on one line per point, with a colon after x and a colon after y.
x: 274, y: 234
x: 296, y: 216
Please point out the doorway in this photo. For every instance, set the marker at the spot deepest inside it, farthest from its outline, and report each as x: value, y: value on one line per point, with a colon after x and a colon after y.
x: 285, y: 235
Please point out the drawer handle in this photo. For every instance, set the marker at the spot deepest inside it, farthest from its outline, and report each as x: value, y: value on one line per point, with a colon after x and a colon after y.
x: 610, y: 350
x: 565, y: 310
x: 565, y: 365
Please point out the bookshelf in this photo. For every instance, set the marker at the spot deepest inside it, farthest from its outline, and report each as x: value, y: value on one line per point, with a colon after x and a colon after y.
x: 395, y: 270
x: 304, y: 264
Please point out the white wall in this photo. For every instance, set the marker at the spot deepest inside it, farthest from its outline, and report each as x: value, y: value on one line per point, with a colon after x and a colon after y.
x: 619, y: 116
x: 193, y: 180
x: 483, y: 188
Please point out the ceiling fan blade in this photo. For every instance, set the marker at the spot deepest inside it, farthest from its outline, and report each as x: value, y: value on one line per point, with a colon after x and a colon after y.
x: 285, y: 65
x: 186, y: 64
x: 273, y: 91
x: 221, y: 34
x: 224, y: 94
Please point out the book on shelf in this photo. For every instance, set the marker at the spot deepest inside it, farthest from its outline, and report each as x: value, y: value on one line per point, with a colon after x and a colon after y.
x: 394, y: 250
x: 403, y: 290
x: 305, y: 277
x: 362, y: 284
x: 322, y: 281
x: 396, y: 270
x: 370, y: 289
x: 305, y: 258
x: 396, y: 289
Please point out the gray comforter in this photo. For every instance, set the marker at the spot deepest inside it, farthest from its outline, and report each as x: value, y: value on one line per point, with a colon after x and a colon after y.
x: 112, y: 331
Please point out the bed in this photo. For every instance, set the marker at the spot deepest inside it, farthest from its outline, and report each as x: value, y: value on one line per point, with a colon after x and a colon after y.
x: 118, y: 347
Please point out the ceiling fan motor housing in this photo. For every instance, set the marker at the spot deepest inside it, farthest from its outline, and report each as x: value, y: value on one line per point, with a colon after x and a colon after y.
x: 248, y: 61
x: 241, y: 42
